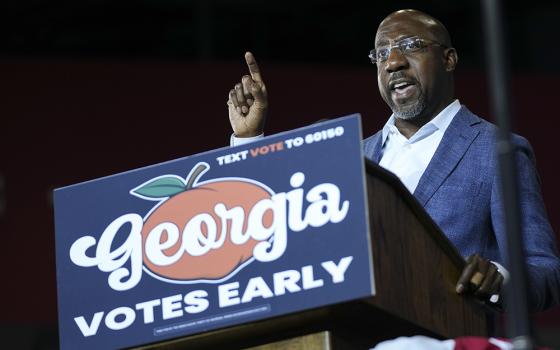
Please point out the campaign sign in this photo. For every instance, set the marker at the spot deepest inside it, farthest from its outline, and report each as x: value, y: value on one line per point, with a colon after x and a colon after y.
x: 213, y: 240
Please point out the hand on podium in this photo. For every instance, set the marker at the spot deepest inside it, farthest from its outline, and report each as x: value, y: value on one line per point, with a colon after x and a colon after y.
x: 248, y: 102
x: 481, y: 278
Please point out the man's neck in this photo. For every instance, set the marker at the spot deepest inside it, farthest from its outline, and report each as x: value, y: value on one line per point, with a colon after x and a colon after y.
x: 409, y: 127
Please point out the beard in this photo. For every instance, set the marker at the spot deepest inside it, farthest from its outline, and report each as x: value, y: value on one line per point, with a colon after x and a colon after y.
x: 409, y: 112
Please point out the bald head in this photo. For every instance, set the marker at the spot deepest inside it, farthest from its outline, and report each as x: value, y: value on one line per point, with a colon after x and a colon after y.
x: 417, y: 19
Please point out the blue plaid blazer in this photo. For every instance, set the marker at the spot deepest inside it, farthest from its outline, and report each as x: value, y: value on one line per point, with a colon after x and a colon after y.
x: 460, y: 190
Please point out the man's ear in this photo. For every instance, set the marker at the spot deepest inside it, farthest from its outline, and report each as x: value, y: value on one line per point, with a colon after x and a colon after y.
x: 450, y: 59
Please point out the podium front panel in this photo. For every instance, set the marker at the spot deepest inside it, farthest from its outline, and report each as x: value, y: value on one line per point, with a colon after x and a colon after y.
x: 214, y: 240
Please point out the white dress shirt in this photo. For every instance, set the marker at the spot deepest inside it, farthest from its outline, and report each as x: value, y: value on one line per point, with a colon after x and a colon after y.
x: 238, y: 141
x: 409, y: 158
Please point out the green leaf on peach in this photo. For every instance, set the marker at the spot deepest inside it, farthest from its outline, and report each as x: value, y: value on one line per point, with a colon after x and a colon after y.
x: 161, y: 188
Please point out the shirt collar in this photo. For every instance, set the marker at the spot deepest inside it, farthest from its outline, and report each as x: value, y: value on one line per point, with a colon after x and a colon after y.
x: 440, y: 122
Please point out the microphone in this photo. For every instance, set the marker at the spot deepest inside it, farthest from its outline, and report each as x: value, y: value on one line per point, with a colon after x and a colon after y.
x: 320, y: 121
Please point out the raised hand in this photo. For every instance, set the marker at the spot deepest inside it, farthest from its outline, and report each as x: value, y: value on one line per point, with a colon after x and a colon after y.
x: 248, y: 102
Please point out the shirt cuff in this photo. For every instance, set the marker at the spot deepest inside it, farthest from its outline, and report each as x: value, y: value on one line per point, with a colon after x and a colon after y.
x: 238, y: 141
x: 505, y: 273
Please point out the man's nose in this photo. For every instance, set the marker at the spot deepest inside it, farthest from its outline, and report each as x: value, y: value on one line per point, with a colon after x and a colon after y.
x: 396, y: 61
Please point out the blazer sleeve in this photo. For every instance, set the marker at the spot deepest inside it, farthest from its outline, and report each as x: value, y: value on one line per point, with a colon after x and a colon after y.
x: 539, y: 242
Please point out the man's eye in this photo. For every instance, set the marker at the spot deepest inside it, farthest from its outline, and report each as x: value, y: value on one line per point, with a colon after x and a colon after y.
x: 412, y: 45
x: 383, y: 53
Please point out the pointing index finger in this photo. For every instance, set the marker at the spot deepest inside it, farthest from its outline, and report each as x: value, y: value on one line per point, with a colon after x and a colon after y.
x: 253, y: 67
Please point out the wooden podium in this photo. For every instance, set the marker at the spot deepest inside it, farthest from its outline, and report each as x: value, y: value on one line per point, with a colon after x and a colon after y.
x: 415, y: 269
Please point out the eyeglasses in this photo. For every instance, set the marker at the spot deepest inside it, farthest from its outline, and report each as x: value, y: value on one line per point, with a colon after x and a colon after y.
x: 406, y: 46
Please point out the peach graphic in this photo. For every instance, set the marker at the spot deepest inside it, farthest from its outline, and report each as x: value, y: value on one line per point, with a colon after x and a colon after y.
x: 189, y: 199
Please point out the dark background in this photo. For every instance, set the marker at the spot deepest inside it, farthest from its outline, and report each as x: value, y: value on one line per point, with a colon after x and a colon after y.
x: 89, y: 88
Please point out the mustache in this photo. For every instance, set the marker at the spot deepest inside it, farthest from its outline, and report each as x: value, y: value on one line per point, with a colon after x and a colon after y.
x: 400, y: 74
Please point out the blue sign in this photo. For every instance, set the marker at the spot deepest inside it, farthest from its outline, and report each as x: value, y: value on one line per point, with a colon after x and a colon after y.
x: 213, y: 240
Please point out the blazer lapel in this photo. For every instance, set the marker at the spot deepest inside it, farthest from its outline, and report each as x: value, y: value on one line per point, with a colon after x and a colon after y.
x: 455, y: 142
x: 373, y: 146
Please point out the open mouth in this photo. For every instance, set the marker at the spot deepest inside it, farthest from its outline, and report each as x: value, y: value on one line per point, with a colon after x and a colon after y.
x: 402, y: 88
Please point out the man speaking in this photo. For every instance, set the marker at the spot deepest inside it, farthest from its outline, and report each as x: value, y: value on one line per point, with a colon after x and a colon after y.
x: 442, y: 152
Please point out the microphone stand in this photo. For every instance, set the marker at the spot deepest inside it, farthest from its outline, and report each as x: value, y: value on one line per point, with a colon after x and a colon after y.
x: 517, y: 318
